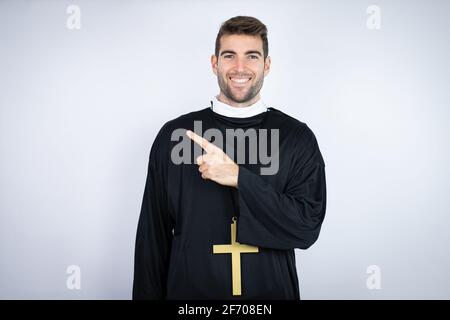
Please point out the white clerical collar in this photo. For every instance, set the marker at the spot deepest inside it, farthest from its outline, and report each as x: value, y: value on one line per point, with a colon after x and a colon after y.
x: 235, y: 112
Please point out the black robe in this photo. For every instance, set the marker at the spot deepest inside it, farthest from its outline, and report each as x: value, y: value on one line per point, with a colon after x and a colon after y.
x: 183, y: 216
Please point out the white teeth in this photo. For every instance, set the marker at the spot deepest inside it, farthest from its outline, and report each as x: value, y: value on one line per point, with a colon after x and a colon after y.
x: 239, y: 80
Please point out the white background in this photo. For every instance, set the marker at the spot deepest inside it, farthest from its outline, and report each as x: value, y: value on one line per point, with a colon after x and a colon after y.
x: 79, y: 110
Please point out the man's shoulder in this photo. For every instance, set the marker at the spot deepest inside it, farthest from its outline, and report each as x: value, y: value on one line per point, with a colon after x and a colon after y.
x: 182, y: 121
x: 302, y: 137
x: 284, y: 120
x: 161, y: 144
x: 300, y: 133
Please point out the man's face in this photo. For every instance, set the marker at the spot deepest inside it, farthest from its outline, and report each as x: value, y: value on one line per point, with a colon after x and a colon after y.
x: 240, y: 67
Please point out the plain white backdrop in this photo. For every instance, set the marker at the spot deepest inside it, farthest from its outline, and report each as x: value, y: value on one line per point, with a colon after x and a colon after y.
x: 80, y: 108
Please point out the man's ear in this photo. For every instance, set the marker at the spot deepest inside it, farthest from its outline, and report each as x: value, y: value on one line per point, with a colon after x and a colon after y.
x: 267, y: 63
x: 214, y: 64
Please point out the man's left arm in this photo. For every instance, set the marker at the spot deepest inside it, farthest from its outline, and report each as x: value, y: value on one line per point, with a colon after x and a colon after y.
x: 268, y: 217
x: 281, y: 220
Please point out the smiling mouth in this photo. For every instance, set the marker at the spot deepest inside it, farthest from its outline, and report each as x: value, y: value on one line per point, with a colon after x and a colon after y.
x: 239, y: 80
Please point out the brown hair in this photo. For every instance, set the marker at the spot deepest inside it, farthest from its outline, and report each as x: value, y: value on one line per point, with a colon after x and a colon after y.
x: 244, y: 25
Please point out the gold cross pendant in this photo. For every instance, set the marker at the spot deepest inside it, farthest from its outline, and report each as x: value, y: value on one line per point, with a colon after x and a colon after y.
x: 235, y: 248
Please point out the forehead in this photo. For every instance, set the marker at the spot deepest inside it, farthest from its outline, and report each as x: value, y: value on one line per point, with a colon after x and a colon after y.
x: 240, y: 43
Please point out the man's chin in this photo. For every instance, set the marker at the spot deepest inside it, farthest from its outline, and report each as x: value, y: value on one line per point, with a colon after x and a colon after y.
x: 240, y: 98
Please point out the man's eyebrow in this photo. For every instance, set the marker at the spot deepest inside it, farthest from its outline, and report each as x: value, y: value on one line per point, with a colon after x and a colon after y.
x: 254, y: 52
x: 227, y: 51
x: 247, y: 52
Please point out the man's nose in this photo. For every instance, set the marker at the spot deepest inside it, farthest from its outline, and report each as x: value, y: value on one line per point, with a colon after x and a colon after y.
x: 240, y: 64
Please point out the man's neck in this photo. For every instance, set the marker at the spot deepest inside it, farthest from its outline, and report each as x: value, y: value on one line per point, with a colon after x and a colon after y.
x: 222, y: 98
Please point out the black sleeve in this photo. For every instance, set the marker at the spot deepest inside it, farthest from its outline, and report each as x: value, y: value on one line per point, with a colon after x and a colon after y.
x: 154, y: 232
x: 290, y: 218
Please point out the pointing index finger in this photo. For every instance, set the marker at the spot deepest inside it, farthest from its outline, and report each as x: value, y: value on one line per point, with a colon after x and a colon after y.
x: 202, y: 142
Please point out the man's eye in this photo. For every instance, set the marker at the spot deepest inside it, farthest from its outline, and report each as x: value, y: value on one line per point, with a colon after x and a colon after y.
x: 253, y: 57
x: 228, y: 56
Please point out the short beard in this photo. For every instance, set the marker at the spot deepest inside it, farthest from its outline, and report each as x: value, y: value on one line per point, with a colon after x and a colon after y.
x: 252, y: 92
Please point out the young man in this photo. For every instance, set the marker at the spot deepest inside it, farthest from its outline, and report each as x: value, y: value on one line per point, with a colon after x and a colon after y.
x: 221, y: 219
